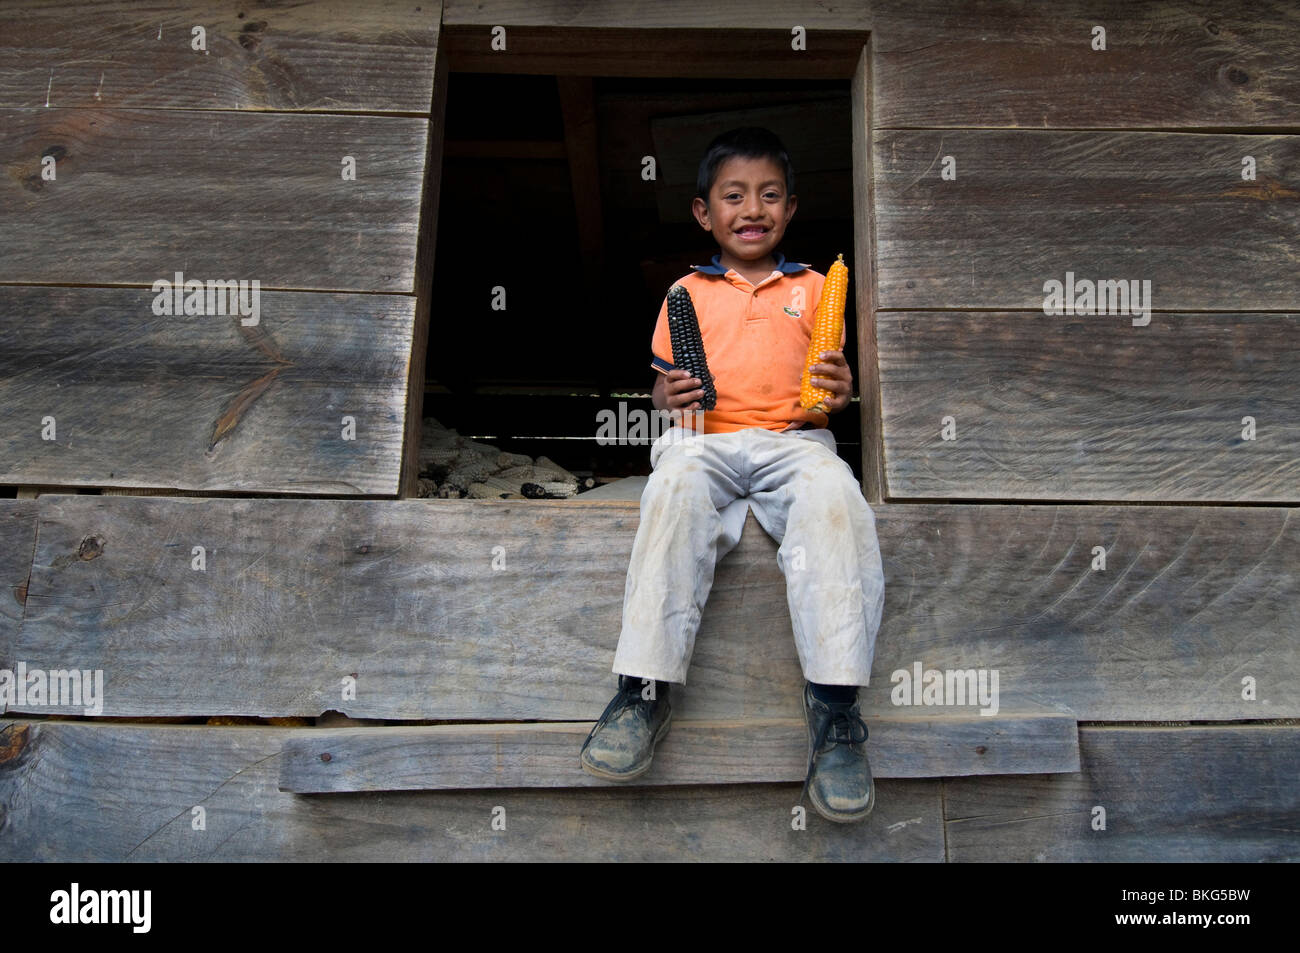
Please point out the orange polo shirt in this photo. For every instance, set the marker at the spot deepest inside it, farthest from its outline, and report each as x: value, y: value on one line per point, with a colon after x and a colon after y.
x: 755, y: 342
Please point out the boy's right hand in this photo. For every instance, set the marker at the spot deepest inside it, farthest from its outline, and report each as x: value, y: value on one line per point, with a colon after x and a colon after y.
x: 682, y: 392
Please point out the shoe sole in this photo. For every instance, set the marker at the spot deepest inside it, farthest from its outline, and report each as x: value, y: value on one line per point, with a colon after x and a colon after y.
x: 611, y: 776
x: 838, y: 817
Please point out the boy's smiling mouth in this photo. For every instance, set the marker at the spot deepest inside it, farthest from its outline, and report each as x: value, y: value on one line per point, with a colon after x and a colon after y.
x: 752, y: 232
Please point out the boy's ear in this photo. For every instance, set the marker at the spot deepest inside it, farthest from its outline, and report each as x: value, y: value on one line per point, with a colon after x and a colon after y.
x: 700, y: 209
x: 790, y: 204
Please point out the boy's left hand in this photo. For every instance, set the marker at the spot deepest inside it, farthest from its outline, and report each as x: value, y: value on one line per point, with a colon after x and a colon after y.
x: 834, y: 375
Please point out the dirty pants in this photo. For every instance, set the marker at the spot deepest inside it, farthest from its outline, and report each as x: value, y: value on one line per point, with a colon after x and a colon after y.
x: 692, y: 513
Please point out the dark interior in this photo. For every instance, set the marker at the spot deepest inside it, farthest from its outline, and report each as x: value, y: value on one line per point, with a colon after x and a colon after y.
x: 584, y: 274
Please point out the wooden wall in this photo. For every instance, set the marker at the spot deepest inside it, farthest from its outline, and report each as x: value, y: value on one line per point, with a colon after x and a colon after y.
x: 224, y: 163
x: 1159, y: 684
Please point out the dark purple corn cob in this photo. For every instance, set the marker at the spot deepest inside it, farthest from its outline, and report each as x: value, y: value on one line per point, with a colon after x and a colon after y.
x: 688, y: 345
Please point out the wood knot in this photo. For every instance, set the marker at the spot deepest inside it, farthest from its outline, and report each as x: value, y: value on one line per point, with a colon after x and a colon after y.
x: 250, y: 35
x: 1238, y: 76
x: 327, y: 757
x: 980, y: 749
x: 91, y: 547
x: 1212, y: 27
x: 363, y: 548
x: 12, y: 742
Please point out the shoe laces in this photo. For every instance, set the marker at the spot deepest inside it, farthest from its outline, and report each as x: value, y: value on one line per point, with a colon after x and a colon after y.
x: 840, y: 725
x: 628, y: 696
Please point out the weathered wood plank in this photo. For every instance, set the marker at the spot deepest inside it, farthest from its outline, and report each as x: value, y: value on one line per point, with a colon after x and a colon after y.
x: 143, y: 194
x: 1193, y: 794
x: 1083, y: 407
x: 1029, y: 206
x: 635, y: 48
x: 87, y: 792
x: 17, y: 543
x: 416, y: 371
x: 319, y: 54
x: 1166, y: 65
x: 864, y: 288
x: 203, y: 402
x: 402, y: 595
x: 664, y: 15
x: 693, y: 752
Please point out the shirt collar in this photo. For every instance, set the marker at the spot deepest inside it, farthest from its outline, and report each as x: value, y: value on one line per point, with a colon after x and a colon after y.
x: 783, y: 266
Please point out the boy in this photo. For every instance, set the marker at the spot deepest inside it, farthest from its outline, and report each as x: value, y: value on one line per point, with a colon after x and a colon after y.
x: 757, y: 449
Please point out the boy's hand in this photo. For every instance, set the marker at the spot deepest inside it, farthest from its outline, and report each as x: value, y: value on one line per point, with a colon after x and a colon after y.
x: 833, y: 374
x: 680, y: 392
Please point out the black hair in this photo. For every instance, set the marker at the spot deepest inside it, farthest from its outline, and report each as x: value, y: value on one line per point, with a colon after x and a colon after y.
x: 749, y: 142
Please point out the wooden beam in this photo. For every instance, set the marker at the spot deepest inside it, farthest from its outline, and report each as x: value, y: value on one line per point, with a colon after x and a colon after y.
x: 203, y: 402
x: 1193, y: 794
x: 684, y: 15
x: 313, y: 55
x: 864, y: 286
x: 583, y: 49
x: 1027, y: 207
x: 1190, y: 601
x: 214, y: 195
x: 110, y: 792
x: 428, y: 238
x: 1091, y: 408
x: 693, y: 752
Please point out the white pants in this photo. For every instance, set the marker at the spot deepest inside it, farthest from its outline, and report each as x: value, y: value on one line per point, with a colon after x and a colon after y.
x: 692, y: 513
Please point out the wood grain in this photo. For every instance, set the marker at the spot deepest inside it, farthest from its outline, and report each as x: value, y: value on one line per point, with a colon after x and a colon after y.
x: 203, y: 402
x: 86, y: 792
x: 1029, y: 206
x: 1188, y: 794
x: 402, y: 596
x: 142, y: 194
x: 1091, y: 407
x: 17, y: 543
x: 1166, y: 65
x: 693, y: 752
x: 319, y: 54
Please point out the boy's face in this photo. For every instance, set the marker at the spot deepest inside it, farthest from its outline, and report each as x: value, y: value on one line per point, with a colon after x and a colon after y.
x: 748, y: 209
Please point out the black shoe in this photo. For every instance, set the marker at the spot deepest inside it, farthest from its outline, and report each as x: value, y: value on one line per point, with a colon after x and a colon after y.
x: 621, y: 745
x: 839, y: 777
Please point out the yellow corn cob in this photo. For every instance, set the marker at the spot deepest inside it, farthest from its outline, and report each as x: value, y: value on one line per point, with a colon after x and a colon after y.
x: 827, y: 331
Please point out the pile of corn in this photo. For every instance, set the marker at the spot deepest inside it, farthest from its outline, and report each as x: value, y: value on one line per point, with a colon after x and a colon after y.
x: 452, y: 466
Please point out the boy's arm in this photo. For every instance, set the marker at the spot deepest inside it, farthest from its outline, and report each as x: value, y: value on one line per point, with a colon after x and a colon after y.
x: 657, y: 396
